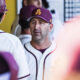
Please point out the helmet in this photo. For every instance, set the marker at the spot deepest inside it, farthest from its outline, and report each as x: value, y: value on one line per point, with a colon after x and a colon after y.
x: 2, y: 6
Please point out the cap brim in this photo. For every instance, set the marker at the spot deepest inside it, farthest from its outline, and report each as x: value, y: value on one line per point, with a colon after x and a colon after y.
x: 29, y: 19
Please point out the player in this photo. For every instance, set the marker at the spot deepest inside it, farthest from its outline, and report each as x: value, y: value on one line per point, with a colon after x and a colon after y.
x: 40, y: 48
x: 16, y: 28
x: 12, y: 44
x: 25, y: 13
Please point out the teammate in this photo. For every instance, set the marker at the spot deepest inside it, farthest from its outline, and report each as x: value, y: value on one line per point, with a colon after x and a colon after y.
x: 25, y: 13
x: 12, y: 44
x: 16, y: 28
x: 40, y: 48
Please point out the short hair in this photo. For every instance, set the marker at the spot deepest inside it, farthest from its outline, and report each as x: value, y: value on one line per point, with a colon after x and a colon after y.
x: 24, y: 24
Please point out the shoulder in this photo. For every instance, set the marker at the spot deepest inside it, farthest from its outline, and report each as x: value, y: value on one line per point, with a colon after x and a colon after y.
x: 27, y: 45
x: 10, y: 40
x: 10, y: 37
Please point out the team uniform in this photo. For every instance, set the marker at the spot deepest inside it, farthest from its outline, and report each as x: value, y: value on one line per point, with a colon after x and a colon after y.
x: 38, y: 61
x: 10, y: 43
x: 25, y: 38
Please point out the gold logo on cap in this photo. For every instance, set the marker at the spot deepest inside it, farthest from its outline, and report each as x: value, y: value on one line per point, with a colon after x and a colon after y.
x: 38, y: 12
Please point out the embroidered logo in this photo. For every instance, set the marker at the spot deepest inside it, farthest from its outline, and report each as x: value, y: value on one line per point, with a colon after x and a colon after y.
x: 38, y: 12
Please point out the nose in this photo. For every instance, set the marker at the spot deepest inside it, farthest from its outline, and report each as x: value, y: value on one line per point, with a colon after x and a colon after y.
x: 37, y: 26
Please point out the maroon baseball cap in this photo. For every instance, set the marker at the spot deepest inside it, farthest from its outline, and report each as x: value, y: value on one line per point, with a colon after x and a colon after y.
x: 42, y: 13
x: 2, y: 6
x: 26, y: 12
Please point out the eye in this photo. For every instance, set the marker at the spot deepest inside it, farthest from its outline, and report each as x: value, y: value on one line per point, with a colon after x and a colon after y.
x: 41, y: 22
x: 33, y: 22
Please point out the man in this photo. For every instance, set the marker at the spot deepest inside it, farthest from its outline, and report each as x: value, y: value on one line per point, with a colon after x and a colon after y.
x: 40, y: 48
x: 16, y: 28
x: 12, y: 44
x: 25, y: 13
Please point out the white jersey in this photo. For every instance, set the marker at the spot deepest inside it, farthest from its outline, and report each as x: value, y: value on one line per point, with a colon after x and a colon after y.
x: 25, y: 38
x: 12, y: 44
x: 37, y: 61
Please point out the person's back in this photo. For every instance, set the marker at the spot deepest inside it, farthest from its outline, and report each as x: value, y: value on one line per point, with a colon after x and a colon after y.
x: 12, y: 44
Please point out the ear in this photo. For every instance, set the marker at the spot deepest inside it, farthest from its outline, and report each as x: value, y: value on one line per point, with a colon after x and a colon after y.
x: 51, y: 26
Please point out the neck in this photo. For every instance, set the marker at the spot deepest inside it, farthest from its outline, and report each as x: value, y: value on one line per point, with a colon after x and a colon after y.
x: 41, y: 45
x: 26, y: 31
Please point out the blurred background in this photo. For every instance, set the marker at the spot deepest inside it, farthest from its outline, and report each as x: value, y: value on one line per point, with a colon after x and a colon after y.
x: 63, y: 9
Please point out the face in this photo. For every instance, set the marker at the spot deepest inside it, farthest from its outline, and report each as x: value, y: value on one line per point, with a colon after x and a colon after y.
x: 39, y: 29
x: 37, y: 3
x: 25, y: 2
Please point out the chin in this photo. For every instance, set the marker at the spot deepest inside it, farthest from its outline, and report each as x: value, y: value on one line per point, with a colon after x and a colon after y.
x: 37, y: 39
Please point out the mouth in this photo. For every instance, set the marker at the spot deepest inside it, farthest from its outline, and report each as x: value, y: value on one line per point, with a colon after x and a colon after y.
x: 36, y: 32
